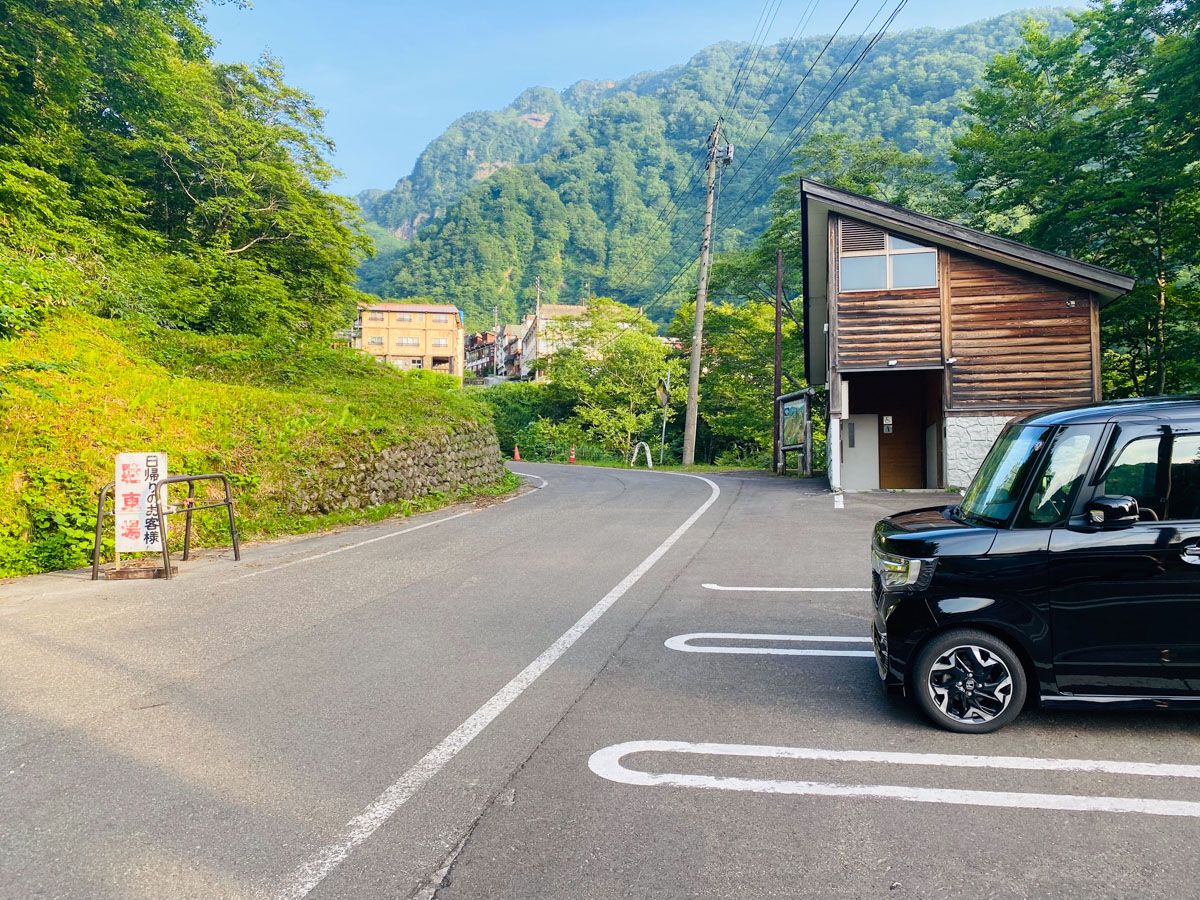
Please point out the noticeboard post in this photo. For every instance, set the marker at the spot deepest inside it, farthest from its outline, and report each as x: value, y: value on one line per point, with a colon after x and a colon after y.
x: 795, y: 429
x: 135, y: 502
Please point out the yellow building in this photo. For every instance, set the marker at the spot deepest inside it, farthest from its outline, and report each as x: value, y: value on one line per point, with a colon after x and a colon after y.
x: 414, y: 335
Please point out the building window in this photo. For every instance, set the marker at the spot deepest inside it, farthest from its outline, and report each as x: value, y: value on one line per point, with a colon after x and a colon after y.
x: 873, y: 260
x: 440, y: 318
x: 375, y: 340
x: 408, y: 342
x: 375, y: 317
x: 404, y: 317
x: 441, y: 342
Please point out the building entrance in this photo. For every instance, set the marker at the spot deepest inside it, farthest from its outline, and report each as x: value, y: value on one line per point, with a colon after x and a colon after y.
x: 905, y: 409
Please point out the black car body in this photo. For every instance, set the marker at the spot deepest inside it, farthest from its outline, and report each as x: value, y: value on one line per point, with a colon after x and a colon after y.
x: 1076, y: 548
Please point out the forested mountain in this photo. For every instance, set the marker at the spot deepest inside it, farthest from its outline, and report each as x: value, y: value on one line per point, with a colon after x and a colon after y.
x: 581, y: 188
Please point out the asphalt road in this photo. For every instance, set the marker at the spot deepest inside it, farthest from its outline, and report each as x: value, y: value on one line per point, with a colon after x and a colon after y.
x: 437, y: 707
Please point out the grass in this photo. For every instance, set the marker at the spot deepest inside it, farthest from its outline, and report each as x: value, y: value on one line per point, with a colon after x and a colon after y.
x: 274, y: 417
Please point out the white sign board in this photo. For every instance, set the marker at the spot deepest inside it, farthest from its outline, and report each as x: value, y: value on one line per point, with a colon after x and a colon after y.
x: 139, y: 527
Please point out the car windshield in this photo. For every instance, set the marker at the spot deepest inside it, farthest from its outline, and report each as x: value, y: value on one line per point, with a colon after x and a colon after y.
x: 994, y: 491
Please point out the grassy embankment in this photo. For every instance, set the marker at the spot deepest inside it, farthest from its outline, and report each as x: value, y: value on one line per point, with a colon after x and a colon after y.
x: 268, y: 416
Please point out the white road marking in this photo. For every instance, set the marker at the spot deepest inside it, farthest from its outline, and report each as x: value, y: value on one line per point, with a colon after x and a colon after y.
x: 789, y: 590
x: 543, y: 481
x: 607, y: 764
x: 683, y: 642
x: 382, y: 537
x: 362, y: 826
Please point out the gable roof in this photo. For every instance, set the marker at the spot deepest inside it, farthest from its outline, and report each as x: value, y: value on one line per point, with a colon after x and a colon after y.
x: 818, y: 200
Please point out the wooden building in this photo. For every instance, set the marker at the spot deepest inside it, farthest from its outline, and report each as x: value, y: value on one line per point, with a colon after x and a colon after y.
x: 930, y: 336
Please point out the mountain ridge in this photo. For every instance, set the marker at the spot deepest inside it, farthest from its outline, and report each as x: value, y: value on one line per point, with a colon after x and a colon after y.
x: 581, y: 198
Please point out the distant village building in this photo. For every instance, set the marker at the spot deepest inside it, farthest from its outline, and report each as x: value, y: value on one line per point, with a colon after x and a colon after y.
x: 931, y: 336
x: 508, y: 351
x: 540, y: 338
x: 414, y: 335
x: 480, y: 354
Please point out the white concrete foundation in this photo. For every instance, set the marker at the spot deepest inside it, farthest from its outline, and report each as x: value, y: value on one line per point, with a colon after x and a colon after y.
x: 968, y: 440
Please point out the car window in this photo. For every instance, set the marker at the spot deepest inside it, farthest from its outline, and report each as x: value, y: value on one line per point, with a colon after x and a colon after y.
x: 1134, y: 473
x: 1183, y: 495
x: 993, y: 493
x: 1163, y: 494
x: 1064, y: 468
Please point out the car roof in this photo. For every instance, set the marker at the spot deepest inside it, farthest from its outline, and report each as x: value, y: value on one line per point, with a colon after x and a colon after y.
x: 1136, y: 409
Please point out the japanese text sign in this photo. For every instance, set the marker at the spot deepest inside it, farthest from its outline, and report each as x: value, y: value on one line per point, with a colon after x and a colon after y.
x: 139, y: 526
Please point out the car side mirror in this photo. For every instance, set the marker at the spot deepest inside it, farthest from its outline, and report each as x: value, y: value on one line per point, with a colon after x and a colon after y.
x: 1112, y: 512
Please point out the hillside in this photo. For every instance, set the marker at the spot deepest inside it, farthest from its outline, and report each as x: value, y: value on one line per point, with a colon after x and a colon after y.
x: 285, y: 423
x: 172, y: 265
x: 573, y: 187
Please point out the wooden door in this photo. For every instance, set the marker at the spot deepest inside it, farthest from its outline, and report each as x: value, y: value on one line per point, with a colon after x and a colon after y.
x: 901, y: 447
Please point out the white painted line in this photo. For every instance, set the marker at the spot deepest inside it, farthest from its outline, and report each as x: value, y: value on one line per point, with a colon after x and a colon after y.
x: 789, y: 590
x: 607, y: 764
x: 362, y: 826
x: 544, y: 482
x: 382, y: 537
x: 683, y: 642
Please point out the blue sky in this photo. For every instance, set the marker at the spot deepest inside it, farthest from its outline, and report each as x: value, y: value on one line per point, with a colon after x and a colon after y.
x: 393, y: 76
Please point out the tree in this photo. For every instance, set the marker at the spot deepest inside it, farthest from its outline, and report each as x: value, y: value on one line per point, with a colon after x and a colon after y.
x: 1087, y: 145
x: 609, y: 363
x: 738, y: 389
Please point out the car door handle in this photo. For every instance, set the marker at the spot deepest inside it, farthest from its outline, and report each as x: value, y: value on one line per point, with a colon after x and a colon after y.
x: 1191, y: 554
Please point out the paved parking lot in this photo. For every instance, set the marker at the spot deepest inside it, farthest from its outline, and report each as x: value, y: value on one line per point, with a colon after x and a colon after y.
x: 620, y: 685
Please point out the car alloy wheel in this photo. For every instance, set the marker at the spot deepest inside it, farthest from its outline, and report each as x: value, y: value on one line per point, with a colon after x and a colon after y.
x: 970, y: 684
x: 969, y: 681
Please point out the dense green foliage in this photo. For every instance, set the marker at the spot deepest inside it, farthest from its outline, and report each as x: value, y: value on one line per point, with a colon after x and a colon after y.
x: 1087, y: 145
x: 171, y: 264
x: 585, y: 202
x: 275, y: 418
x: 139, y: 177
x: 600, y: 392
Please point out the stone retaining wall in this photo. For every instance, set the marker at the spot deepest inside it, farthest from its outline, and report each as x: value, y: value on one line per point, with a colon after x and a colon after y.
x: 468, y: 457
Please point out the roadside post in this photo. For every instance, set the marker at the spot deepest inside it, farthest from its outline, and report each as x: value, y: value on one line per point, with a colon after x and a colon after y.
x: 664, y: 399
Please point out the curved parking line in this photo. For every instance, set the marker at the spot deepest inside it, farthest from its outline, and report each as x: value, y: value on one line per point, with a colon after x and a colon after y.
x: 607, y: 763
x: 683, y: 642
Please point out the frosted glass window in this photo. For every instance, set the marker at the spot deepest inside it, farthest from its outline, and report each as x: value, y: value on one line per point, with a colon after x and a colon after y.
x: 913, y: 270
x: 864, y: 273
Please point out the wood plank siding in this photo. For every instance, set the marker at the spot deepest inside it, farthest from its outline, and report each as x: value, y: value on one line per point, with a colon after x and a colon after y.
x: 1020, y: 340
x: 875, y: 327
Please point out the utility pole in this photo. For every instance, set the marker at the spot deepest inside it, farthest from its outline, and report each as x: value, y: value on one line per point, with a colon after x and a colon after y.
x: 496, y: 340
x: 715, y: 158
x: 537, y: 320
x: 777, y: 454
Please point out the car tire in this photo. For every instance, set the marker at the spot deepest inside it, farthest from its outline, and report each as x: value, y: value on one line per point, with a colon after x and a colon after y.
x: 968, y: 681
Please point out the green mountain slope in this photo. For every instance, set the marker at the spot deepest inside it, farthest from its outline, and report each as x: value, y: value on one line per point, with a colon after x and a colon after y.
x: 585, y: 202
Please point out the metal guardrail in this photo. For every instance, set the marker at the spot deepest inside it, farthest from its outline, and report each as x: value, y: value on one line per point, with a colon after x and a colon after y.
x: 189, y: 506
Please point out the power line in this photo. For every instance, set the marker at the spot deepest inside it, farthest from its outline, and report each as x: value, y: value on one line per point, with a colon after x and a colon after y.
x: 650, y: 238
x: 801, y: 129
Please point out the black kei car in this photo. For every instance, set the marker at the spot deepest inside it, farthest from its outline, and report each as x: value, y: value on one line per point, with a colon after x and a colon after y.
x: 1069, y: 574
